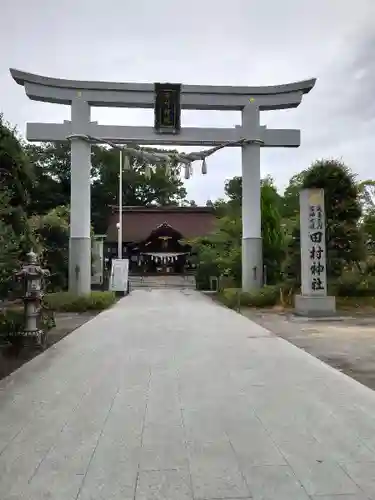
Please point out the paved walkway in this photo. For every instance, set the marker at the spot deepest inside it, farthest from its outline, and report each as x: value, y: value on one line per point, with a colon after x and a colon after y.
x: 169, y: 395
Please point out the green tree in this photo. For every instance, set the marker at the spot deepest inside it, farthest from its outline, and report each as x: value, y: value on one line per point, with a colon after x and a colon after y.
x: 162, y: 187
x: 9, y: 248
x: 273, y: 237
x: 290, y: 198
x: 16, y: 173
x: 343, y: 211
x: 52, y: 234
x: 16, y: 181
x: 368, y: 231
x: 49, y: 189
x: 272, y: 231
x: 366, y: 191
x: 233, y: 190
x: 52, y: 187
x: 221, y: 251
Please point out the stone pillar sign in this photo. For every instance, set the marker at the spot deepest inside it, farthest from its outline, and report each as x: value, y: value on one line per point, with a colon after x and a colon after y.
x: 314, y: 300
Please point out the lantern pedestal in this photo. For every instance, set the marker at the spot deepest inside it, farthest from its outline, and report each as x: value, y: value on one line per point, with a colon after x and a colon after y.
x: 315, y: 306
x: 32, y: 276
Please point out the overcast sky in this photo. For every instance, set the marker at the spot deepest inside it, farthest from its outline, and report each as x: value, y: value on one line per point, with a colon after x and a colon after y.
x: 236, y: 42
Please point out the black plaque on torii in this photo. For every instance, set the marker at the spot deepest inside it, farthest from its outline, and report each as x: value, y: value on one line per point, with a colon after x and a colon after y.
x: 167, y: 108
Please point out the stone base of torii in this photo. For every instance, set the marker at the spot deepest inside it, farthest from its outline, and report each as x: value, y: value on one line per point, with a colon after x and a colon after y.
x: 82, y: 95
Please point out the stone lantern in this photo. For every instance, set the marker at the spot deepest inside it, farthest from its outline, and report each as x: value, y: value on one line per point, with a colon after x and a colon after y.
x: 31, y: 275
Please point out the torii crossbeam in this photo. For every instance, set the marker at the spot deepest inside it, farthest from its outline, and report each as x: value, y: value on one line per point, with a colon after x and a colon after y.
x: 81, y: 95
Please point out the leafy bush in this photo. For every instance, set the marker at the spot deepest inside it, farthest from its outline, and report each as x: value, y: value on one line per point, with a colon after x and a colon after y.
x: 230, y: 297
x: 12, y: 321
x: 353, y: 284
x: 68, y: 302
x: 265, y: 297
x: 228, y: 282
x: 9, y: 249
x: 52, y: 232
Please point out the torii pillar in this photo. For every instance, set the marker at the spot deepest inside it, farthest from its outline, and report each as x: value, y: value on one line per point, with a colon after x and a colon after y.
x: 80, y: 201
x: 252, y: 260
x: 80, y: 95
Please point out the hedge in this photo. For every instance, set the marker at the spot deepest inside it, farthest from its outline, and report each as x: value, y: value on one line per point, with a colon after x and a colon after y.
x: 68, y: 302
x: 353, y: 284
x: 266, y: 297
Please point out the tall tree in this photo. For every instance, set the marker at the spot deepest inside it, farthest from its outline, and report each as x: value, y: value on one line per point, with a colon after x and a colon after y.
x: 366, y: 191
x: 272, y: 231
x: 233, y: 190
x: 220, y: 252
x: 16, y: 179
x: 222, y: 249
x: 9, y: 247
x: 290, y: 199
x: 343, y: 211
x: 51, y: 231
x: 52, y: 188
x: 48, y: 191
x: 158, y: 186
x: 273, y: 237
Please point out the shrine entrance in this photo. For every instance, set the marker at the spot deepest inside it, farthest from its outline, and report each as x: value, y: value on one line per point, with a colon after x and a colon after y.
x: 162, y: 252
x: 168, y: 100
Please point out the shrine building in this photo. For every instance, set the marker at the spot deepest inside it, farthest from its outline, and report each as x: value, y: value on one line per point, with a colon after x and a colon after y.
x: 154, y: 238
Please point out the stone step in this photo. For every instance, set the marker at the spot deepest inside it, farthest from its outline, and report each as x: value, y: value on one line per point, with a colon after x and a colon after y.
x: 175, y: 282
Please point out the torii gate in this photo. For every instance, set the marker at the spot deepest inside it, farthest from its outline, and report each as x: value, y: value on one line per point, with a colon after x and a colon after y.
x: 81, y: 95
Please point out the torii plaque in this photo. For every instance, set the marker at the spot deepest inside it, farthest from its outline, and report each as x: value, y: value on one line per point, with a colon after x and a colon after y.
x: 81, y: 95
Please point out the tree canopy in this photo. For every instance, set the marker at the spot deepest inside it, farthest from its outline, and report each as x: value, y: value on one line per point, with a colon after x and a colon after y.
x: 52, y: 166
x: 221, y: 251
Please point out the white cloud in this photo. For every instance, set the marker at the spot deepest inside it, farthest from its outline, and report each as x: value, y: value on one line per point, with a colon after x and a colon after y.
x: 242, y: 42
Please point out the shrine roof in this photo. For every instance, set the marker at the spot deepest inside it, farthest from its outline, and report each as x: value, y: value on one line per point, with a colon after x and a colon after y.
x: 139, y: 222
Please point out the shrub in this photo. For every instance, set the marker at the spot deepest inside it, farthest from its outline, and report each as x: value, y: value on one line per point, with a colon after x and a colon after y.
x: 68, y: 302
x: 12, y: 321
x: 228, y: 282
x: 230, y: 297
x: 265, y: 297
x: 353, y: 284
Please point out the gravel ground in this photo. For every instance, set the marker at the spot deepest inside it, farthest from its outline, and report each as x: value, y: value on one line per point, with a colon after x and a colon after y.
x: 346, y: 343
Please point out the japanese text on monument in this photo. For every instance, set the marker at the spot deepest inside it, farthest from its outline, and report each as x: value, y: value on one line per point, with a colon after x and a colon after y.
x: 316, y: 250
x: 313, y: 246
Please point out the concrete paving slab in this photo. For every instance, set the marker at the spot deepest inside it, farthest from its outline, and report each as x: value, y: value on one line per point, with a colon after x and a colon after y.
x: 363, y: 475
x: 169, y: 395
x: 158, y: 485
x: 274, y: 482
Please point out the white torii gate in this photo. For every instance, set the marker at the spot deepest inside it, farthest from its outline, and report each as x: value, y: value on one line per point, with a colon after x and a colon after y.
x: 81, y: 95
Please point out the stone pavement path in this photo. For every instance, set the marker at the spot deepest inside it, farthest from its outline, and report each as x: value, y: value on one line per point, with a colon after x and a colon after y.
x: 171, y: 396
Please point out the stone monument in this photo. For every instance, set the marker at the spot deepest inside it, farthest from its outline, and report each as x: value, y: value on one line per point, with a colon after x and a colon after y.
x: 313, y: 300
